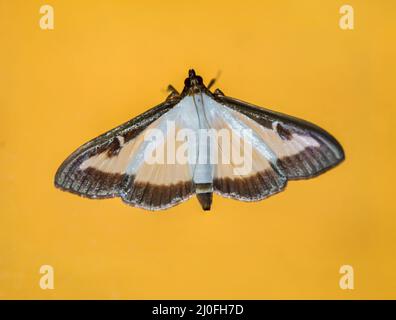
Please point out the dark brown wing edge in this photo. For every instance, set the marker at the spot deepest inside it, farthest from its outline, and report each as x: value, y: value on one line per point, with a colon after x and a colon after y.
x: 92, y: 183
x: 310, y: 162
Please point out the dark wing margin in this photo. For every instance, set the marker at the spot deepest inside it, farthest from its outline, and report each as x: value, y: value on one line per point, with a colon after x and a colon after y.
x: 93, y: 183
x: 252, y: 188
x: 309, y: 161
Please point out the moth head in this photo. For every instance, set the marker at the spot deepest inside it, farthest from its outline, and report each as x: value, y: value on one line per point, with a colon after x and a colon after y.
x: 193, y: 81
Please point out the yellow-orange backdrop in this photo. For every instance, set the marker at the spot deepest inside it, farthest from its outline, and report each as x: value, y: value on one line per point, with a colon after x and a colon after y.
x: 107, y: 61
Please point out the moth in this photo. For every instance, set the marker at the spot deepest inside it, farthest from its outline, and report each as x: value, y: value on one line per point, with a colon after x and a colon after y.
x: 279, y: 148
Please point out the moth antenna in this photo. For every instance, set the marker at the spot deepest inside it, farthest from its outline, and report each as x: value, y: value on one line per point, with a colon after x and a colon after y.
x: 214, y: 80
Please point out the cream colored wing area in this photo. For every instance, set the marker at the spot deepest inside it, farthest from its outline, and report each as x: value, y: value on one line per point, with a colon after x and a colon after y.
x: 160, y: 176
x: 131, y: 154
x: 300, y: 154
x: 116, y: 163
x: 245, y: 169
x: 281, y: 147
x: 303, y: 150
x: 156, y: 186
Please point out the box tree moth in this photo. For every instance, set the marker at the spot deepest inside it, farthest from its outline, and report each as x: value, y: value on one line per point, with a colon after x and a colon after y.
x: 198, y: 142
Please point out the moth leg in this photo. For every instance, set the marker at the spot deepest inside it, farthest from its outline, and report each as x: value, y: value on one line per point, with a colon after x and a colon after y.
x: 171, y: 89
x: 218, y: 92
x: 173, y: 93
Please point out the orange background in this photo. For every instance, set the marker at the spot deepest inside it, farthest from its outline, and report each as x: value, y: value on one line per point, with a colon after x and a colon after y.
x: 107, y: 61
